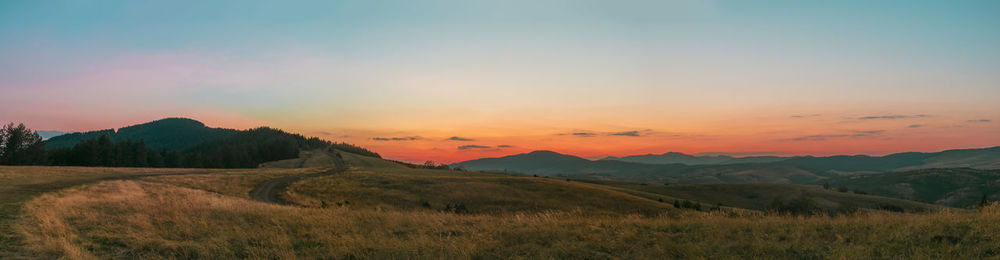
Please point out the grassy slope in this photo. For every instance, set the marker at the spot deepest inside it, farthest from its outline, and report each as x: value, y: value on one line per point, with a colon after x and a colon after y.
x: 509, y: 216
x: 133, y: 219
x: 958, y: 187
x: 23, y: 183
x: 307, y: 159
x: 759, y: 196
x: 408, y: 189
x: 236, y: 183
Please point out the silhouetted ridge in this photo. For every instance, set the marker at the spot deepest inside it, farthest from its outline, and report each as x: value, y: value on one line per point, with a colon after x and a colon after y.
x: 800, y: 170
x: 182, y: 142
x: 168, y: 133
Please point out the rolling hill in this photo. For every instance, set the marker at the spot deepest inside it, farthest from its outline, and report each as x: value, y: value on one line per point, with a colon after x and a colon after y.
x: 680, y: 158
x: 177, y: 134
x: 761, y: 196
x: 954, y: 187
x: 801, y: 170
x: 182, y: 142
x: 549, y: 163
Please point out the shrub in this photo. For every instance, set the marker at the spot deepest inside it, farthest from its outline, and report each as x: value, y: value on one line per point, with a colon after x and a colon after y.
x: 802, y: 205
x: 457, y: 208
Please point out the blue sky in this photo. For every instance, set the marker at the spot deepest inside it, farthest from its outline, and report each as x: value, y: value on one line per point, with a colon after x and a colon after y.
x: 511, y: 70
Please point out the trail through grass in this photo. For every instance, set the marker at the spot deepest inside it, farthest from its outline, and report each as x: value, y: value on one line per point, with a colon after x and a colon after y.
x: 134, y: 219
x: 18, y: 184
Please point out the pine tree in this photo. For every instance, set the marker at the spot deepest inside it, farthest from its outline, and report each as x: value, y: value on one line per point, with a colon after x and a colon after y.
x: 21, y: 146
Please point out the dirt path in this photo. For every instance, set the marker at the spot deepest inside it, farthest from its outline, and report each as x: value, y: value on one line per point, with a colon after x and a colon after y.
x: 268, y: 191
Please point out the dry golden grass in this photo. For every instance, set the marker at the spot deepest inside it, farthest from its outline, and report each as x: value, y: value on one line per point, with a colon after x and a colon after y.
x: 758, y: 196
x: 237, y: 183
x: 307, y: 159
x: 19, y: 184
x: 133, y: 219
x: 410, y: 189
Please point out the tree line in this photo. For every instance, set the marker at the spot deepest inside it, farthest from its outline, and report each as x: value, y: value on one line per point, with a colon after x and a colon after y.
x: 21, y: 146
x: 244, y: 149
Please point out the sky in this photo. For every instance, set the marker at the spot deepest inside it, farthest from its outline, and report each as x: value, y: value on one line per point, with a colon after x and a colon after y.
x: 455, y: 80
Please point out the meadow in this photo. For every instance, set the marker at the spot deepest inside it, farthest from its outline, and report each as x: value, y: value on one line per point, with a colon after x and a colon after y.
x: 22, y: 183
x: 380, y: 210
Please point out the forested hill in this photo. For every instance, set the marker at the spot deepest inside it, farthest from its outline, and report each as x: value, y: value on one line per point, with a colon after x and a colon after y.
x: 171, y: 133
x: 178, y: 144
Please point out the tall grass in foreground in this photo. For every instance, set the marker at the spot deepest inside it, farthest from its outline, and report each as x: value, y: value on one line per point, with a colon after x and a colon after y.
x: 133, y: 219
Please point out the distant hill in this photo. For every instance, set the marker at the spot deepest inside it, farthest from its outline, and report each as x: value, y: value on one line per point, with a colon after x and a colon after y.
x: 171, y: 133
x: 49, y: 134
x: 548, y: 163
x: 761, y: 196
x: 956, y: 187
x: 801, y: 170
x: 674, y: 158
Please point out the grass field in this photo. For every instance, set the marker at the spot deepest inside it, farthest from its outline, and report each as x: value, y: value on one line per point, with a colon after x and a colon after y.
x: 133, y: 219
x: 20, y: 184
x: 237, y: 183
x: 478, y: 193
x: 759, y: 196
x: 378, y: 209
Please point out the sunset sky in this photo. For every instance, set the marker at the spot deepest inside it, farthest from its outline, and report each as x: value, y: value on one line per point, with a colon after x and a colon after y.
x: 456, y: 80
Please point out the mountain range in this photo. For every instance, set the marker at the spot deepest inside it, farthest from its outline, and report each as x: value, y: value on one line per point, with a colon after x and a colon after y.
x: 675, y: 157
x: 955, y: 178
x: 804, y: 169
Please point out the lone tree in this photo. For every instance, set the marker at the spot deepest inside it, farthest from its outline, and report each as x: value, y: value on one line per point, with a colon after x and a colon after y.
x: 20, y: 146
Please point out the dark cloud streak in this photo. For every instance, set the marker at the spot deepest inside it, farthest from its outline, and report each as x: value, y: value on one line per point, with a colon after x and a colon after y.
x: 891, y: 117
x: 407, y: 138
x: 626, y: 133
x: 473, y: 146
x: 824, y: 137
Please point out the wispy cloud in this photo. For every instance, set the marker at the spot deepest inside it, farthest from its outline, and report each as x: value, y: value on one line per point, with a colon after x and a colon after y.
x: 868, y: 132
x: 892, y: 117
x: 916, y: 126
x: 406, y: 138
x: 504, y: 146
x: 824, y: 137
x: 979, y: 121
x: 626, y: 133
x: 456, y: 138
x: 631, y: 133
x: 805, y: 116
x: 473, y: 146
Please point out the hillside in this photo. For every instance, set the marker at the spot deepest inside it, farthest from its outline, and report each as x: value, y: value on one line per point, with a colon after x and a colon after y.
x: 435, y: 187
x: 799, y: 170
x: 547, y: 163
x: 381, y: 210
x: 177, y: 134
x: 762, y: 196
x: 680, y: 158
x: 185, y: 143
x: 955, y: 187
